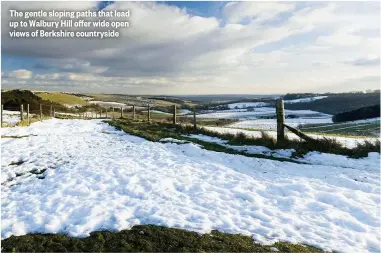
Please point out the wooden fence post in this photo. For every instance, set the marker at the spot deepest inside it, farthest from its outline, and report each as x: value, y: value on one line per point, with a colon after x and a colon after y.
x: 279, y: 109
x: 194, y: 118
x: 121, y: 112
x: 54, y: 112
x: 100, y: 115
x: 22, y: 112
x: 149, y: 114
x: 2, y: 108
x: 113, y: 113
x: 27, y: 113
x: 133, y: 112
x: 40, y: 111
x: 174, y: 114
x: 106, y: 113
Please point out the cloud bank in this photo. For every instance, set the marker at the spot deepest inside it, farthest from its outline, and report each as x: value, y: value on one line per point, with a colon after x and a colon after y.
x: 249, y: 47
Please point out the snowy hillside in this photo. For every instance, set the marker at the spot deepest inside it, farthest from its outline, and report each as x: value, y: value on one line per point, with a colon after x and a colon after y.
x: 78, y: 176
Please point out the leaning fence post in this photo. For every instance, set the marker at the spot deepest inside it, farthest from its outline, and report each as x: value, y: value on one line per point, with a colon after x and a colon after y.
x: 149, y: 113
x: 22, y: 112
x: 279, y: 109
x: 40, y: 111
x: 194, y: 118
x: 2, y: 108
x: 174, y: 114
x: 133, y: 112
x: 27, y: 113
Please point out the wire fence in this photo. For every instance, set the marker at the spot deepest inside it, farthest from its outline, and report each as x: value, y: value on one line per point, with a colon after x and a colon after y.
x: 28, y: 113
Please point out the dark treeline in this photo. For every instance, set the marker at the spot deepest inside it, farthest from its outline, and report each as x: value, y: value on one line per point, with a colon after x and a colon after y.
x: 367, y: 112
x: 291, y: 96
x: 338, y: 102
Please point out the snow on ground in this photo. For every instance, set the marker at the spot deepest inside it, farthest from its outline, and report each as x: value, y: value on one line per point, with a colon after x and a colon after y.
x: 73, y: 105
x: 159, y: 112
x: 248, y: 104
x: 206, y: 138
x: 98, y: 178
x: 343, y: 124
x: 184, y: 112
x: 349, y: 142
x: 109, y: 104
x: 270, y: 124
x: 284, y: 153
x: 11, y: 117
x: 304, y: 100
x: 261, y: 111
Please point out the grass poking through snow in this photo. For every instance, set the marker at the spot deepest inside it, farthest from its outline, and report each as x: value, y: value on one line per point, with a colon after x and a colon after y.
x: 156, y: 131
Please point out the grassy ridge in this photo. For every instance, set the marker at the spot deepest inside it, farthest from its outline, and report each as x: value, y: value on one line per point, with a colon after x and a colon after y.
x: 156, y: 131
x: 62, y: 98
x: 146, y: 238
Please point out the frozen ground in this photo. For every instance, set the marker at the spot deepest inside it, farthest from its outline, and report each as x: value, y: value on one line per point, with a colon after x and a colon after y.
x: 11, y: 117
x: 349, y: 142
x: 99, y: 178
x: 270, y: 124
x: 258, y: 112
x: 283, y: 153
x: 109, y: 104
x: 248, y: 104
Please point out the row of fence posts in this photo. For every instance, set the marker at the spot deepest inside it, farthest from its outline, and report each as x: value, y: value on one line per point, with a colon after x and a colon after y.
x: 52, y: 113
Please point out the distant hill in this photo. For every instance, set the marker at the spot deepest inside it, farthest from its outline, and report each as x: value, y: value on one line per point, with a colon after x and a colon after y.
x: 338, y: 103
x: 367, y: 112
x: 12, y: 100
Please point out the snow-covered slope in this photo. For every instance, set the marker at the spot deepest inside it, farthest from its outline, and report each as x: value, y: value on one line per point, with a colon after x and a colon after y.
x: 349, y: 142
x: 260, y: 111
x: 99, y: 178
x: 248, y: 104
x: 11, y: 117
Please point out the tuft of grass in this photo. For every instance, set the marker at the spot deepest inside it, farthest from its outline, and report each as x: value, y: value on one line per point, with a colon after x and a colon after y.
x: 363, y: 149
x: 31, y: 120
x: 146, y: 238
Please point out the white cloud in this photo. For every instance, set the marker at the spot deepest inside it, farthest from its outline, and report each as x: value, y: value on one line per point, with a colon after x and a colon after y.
x: 18, y: 74
x: 167, y: 50
x: 235, y: 12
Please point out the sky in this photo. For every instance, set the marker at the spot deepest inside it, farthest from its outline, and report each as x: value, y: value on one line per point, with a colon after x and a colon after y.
x: 204, y: 48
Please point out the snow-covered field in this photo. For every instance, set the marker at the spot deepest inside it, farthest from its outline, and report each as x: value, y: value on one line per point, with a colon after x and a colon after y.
x: 349, y: 142
x: 270, y: 124
x: 258, y: 112
x: 109, y: 104
x: 248, y: 104
x: 99, y: 178
x: 11, y: 117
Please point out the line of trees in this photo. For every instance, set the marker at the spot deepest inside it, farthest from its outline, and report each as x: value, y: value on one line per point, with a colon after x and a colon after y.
x: 366, y: 112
